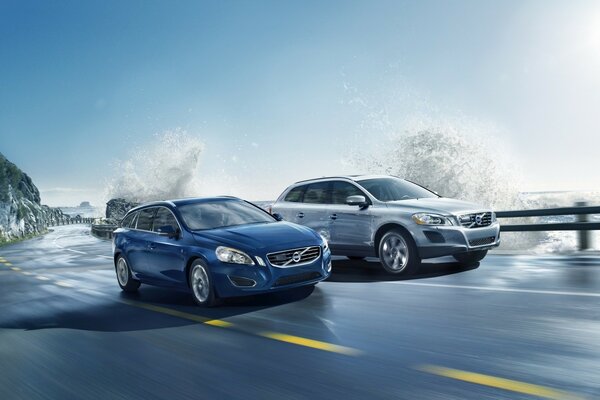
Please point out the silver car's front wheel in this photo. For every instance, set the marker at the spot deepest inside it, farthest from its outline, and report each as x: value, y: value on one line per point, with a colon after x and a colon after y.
x: 397, y: 253
x: 201, y: 284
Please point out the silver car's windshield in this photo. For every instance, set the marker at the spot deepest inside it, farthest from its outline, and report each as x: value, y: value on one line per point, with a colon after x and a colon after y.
x: 392, y: 189
x: 219, y: 214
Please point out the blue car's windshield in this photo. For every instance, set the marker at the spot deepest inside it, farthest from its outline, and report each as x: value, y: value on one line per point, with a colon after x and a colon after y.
x: 392, y: 189
x: 219, y: 214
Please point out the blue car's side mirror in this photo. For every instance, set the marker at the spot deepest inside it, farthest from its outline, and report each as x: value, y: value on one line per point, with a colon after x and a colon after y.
x: 277, y: 216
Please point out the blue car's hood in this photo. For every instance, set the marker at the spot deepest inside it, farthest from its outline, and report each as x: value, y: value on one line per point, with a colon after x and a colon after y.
x: 270, y: 237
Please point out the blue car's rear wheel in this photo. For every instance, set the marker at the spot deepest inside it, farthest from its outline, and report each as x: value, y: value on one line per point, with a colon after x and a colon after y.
x: 124, y: 277
x: 201, y: 284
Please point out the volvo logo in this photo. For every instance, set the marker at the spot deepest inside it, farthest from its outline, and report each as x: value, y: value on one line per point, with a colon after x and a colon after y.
x: 479, y: 219
x: 296, y: 257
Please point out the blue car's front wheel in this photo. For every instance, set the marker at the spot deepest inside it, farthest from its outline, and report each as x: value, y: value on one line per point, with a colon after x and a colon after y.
x: 201, y: 284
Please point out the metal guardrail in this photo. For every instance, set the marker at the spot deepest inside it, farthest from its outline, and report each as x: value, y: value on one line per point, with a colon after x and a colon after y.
x: 103, y: 231
x: 581, y: 210
x: 70, y: 221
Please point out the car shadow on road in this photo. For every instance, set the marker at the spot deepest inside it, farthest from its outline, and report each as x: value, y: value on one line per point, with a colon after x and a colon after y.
x: 149, y: 308
x: 228, y: 307
x: 348, y: 271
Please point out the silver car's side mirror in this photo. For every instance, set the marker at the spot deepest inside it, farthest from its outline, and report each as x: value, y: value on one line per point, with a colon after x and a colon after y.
x: 356, y: 200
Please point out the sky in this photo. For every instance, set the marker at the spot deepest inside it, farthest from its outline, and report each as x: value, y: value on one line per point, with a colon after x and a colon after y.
x: 279, y: 91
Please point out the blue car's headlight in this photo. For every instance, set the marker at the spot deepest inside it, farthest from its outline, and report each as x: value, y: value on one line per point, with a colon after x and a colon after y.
x: 325, y: 242
x: 233, y: 256
x: 431, y: 219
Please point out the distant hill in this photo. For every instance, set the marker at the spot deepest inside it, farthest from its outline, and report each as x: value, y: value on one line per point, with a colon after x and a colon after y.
x: 85, y: 210
x: 21, y: 212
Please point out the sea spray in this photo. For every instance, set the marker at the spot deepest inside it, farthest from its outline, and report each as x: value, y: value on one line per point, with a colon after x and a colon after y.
x: 167, y: 167
x: 449, y: 163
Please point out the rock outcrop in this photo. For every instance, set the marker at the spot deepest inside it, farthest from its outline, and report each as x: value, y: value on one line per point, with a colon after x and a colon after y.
x: 117, y: 208
x: 21, y: 213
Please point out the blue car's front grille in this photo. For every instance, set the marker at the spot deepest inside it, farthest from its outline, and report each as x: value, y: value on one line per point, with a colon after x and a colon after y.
x: 294, y: 257
x: 299, y: 278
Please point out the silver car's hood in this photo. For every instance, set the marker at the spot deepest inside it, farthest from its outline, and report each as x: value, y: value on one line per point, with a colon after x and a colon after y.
x: 440, y: 205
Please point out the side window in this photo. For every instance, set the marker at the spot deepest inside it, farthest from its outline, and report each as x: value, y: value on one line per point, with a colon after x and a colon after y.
x: 317, y: 193
x: 341, y: 190
x: 127, y: 221
x: 296, y: 194
x: 144, y: 220
x: 164, y: 217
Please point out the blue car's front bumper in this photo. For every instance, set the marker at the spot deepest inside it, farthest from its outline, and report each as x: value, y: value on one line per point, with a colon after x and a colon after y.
x: 239, y: 280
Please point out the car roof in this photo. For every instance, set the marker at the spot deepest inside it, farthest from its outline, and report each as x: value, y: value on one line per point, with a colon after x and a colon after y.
x: 347, y: 177
x: 183, y: 202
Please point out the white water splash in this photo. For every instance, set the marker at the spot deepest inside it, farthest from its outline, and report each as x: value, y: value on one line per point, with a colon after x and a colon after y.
x: 167, y: 168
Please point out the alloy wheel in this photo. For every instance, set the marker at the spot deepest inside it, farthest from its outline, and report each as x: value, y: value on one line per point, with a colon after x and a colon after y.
x: 395, y: 252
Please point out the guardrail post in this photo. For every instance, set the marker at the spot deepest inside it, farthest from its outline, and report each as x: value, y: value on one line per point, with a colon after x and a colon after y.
x: 583, y: 236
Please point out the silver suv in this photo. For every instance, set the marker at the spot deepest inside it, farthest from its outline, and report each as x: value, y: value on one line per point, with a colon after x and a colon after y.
x: 391, y: 218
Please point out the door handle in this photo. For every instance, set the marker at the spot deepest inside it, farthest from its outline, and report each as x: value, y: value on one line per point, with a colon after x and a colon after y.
x: 333, y: 216
x: 300, y: 215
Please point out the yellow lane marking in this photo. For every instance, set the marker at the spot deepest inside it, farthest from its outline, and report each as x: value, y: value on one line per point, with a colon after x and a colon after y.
x: 499, y: 383
x: 8, y: 264
x: 26, y: 273
x: 297, y: 340
x: 219, y: 323
x: 176, y: 313
x: 63, y: 284
x: 315, y: 344
x: 15, y: 268
x: 42, y: 278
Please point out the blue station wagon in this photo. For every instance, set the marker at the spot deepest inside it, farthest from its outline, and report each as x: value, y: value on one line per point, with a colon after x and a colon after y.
x: 216, y: 247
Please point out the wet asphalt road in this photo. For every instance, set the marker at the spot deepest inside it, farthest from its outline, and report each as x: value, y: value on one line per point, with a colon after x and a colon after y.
x: 513, y: 327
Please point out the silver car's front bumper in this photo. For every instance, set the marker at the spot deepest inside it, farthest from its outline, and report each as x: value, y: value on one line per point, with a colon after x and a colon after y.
x: 433, y: 241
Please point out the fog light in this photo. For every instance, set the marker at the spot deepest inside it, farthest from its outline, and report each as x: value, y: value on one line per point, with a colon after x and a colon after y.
x: 329, y: 266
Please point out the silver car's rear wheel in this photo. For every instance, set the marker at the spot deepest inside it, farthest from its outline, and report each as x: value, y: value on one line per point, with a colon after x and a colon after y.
x: 201, y: 284
x: 397, y: 253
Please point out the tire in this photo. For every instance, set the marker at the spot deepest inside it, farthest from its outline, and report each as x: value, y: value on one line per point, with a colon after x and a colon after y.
x: 355, y: 258
x: 398, y: 253
x: 201, y: 284
x: 124, y: 277
x: 470, y: 257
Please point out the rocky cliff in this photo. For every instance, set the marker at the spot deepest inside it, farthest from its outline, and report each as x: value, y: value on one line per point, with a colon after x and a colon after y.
x: 21, y: 213
x: 117, y: 208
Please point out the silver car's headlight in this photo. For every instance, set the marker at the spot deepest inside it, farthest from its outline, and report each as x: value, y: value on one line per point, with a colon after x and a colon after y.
x: 233, y: 256
x: 325, y: 242
x: 494, y: 218
x: 431, y: 219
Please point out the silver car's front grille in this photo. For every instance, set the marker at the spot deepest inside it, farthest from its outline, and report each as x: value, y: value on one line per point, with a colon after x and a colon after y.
x: 476, y: 220
x: 294, y: 257
x: 482, y: 241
